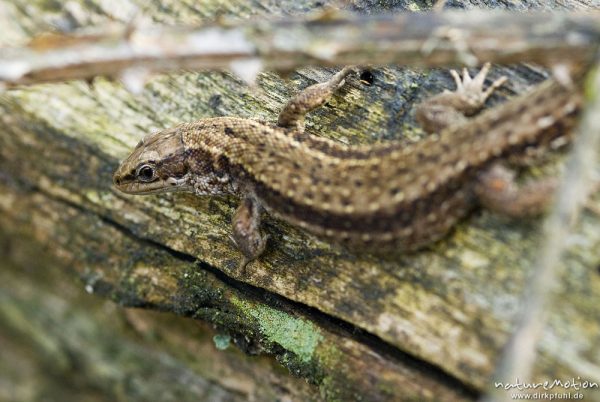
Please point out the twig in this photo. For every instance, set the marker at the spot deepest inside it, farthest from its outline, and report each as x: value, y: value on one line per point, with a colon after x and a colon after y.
x: 519, y: 355
x: 417, y: 39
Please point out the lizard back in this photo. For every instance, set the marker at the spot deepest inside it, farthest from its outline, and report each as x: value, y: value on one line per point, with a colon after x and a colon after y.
x: 390, y: 194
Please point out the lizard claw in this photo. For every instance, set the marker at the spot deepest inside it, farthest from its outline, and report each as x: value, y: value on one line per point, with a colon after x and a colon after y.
x: 480, y: 77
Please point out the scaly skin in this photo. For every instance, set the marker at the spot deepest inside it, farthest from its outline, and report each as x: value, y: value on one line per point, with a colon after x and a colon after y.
x: 384, y: 197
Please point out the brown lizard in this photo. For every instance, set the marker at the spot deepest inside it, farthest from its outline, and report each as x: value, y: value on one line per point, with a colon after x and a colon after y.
x: 386, y: 197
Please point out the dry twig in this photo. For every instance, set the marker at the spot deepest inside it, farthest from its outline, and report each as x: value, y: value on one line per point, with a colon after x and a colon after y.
x: 423, y: 39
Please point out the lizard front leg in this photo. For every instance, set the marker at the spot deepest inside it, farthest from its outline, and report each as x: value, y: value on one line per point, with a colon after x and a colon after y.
x: 312, y: 97
x: 246, y: 230
x: 246, y: 220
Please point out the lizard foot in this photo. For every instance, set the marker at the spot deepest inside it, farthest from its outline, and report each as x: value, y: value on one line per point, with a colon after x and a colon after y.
x: 452, y: 107
x: 470, y: 90
x: 246, y: 231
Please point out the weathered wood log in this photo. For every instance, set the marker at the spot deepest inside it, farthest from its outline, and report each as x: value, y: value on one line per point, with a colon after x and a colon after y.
x: 428, y: 325
x: 58, y: 343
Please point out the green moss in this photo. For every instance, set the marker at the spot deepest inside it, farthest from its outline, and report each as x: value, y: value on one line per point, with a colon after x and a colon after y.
x: 330, y: 356
x: 329, y: 390
x: 590, y: 87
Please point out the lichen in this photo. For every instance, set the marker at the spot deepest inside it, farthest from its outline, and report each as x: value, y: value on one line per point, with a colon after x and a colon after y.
x: 222, y: 341
x: 296, y: 335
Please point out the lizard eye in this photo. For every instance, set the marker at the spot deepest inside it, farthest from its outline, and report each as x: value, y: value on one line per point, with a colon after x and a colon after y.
x: 145, y: 173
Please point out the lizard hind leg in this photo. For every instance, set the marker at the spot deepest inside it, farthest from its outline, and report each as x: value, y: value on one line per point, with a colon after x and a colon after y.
x: 469, y: 91
x: 497, y: 191
x: 312, y: 97
x: 453, y: 107
x: 246, y: 230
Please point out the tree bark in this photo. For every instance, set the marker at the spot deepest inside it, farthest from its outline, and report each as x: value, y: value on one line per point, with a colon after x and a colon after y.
x: 426, y: 326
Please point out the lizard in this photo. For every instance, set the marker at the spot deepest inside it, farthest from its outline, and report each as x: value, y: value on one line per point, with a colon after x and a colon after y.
x: 387, y: 196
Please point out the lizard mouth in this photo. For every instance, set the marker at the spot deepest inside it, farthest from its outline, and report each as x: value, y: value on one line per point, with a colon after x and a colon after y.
x: 154, y: 187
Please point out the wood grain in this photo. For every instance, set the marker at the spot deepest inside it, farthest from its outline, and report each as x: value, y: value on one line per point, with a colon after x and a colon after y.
x: 424, y: 326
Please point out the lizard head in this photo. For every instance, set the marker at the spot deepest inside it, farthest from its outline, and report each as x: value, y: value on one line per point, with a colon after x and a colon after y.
x: 156, y: 165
